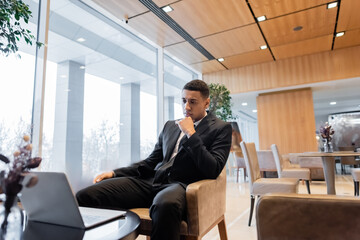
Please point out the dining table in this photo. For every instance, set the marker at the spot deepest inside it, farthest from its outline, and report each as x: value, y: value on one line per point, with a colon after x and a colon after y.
x: 328, y: 160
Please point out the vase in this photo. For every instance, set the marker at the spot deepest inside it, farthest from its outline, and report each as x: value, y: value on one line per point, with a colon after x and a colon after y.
x: 328, y: 147
x: 11, y: 219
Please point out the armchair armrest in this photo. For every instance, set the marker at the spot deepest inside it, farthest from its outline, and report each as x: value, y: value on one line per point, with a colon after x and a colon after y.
x: 300, y: 216
x: 206, y: 203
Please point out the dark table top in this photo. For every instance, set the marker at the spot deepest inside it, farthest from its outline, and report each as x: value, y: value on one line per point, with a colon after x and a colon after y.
x: 125, y: 229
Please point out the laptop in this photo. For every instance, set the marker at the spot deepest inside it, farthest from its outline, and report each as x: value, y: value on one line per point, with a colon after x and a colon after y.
x: 51, y: 200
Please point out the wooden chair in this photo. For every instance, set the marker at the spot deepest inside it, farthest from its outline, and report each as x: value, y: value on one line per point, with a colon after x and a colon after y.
x: 287, y: 172
x: 260, y: 186
x: 206, y: 201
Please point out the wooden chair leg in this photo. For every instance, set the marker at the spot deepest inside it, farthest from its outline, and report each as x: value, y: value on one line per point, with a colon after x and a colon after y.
x: 222, y: 230
x: 308, y: 186
x: 252, y: 201
x: 356, y: 188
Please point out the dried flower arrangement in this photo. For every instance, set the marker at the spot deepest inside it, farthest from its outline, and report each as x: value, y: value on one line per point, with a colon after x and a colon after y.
x: 11, y: 179
x: 326, y: 132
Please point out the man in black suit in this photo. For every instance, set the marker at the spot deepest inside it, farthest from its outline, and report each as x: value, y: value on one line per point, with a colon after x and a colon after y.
x: 188, y: 150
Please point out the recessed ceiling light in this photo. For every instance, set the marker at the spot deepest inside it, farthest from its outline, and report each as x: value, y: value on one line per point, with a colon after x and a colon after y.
x: 167, y: 8
x: 263, y: 47
x: 221, y: 59
x: 82, y: 67
x: 339, y: 34
x: 244, y: 104
x: 332, y: 5
x: 261, y: 18
x: 254, y: 111
x: 332, y: 103
x: 121, y: 78
x: 67, y: 90
x: 297, y: 28
x: 63, y: 76
x: 81, y: 39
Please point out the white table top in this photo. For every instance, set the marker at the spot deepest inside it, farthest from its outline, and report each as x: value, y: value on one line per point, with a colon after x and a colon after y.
x: 333, y: 154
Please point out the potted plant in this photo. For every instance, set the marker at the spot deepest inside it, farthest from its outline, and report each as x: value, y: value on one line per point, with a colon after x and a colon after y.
x: 220, y: 101
x: 13, y: 13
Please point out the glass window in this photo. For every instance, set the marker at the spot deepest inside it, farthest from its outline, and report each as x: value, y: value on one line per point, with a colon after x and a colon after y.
x: 103, y: 85
x: 17, y: 84
x: 176, y: 76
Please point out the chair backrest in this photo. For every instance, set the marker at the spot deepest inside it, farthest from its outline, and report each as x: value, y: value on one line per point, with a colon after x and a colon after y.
x: 251, y: 161
x: 266, y: 160
x: 277, y: 158
x: 348, y: 160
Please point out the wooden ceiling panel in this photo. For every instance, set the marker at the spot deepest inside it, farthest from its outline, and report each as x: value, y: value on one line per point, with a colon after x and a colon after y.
x: 351, y: 38
x: 271, y: 8
x: 316, y: 22
x: 233, y: 42
x: 208, y: 66
x: 249, y: 58
x: 349, y: 16
x: 204, y: 17
x: 305, y: 47
x: 186, y: 52
x: 123, y: 8
x: 155, y: 29
x: 162, y: 3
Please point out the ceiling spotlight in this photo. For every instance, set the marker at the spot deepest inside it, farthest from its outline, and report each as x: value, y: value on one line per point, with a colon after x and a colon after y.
x: 254, y: 111
x: 221, y: 59
x: 82, y: 67
x: 297, y: 28
x: 81, y: 39
x: 63, y: 76
x: 263, y: 47
x: 332, y: 103
x: 121, y: 78
x: 261, y: 18
x: 332, y: 5
x: 167, y: 9
x: 339, y: 34
x: 244, y: 104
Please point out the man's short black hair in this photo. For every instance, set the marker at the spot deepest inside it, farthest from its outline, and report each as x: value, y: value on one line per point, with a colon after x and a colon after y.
x: 198, y: 85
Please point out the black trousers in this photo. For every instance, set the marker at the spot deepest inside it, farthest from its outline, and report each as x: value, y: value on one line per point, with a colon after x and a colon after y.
x: 167, y: 202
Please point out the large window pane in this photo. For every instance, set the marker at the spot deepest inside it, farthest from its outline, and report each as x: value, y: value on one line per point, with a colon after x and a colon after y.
x: 103, y: 85
x: 175, y: 77
x: 16, y: 97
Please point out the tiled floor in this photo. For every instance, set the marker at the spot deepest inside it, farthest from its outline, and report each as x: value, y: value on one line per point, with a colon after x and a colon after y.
x: 238, y: 206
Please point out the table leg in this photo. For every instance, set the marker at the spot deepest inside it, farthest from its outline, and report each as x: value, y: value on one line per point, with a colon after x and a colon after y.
x: 329, y: 173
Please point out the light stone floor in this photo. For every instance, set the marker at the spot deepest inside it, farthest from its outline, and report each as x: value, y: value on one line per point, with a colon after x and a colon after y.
x: 238, y: 205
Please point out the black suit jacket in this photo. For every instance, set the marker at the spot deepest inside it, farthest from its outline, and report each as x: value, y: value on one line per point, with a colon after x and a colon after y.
x: 202, y: 156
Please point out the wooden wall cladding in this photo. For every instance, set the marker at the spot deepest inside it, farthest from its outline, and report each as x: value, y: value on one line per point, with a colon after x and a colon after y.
x: 287, y: 119
x: 320, y: 67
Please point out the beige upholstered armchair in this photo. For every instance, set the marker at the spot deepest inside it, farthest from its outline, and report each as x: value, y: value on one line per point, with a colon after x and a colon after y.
x: 303, y: 216
x: 206, y: 201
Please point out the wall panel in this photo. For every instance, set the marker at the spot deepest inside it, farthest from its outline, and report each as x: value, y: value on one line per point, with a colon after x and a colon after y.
x: 287, y: 119
x: 320, y: 67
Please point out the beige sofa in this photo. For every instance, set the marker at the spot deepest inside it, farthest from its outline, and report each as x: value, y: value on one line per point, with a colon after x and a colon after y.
x: 300, y: 216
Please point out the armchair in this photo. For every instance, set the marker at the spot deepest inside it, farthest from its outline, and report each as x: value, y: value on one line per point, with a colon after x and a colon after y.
x: 200, y: 197
x: 303, y: 216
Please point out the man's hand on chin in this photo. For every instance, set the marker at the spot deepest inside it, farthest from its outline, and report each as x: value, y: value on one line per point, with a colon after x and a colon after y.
x: 186, y: 125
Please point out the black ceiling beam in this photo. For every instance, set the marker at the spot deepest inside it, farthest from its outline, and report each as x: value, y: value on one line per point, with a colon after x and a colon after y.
x: 176, y: 27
